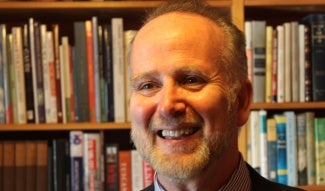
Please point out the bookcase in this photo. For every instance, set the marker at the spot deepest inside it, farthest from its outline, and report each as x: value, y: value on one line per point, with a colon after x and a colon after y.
x: 66, y: 12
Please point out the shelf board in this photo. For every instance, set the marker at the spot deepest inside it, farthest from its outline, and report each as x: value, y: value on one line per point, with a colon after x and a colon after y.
x: 313, y: 188
x: 64, y: 127
x: 278, y: 3
x: 288, y: 106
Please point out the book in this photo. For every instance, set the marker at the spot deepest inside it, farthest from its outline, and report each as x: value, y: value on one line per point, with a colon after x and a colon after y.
x: 118, y: 69
x: 20, y: 165
x: 2, y: 82
x: 76, y: 160
x: 287, y: 62
x: 282, y: 169
x: 310, y: 147
x: 125, y: 183
x: 255, y: 140
x: 308, y: 77
x: 91, y: 71
x: 274, y: 72
x: 316, y: 23
x: 295, y: 61
x: 61, y: 164
x: 30, y: 165
x: 94, y: 22
x: 272, y: 149
x: 319, y: 150
x: 280, y: 65
x: 38, y: 74
x: 263, y: 143
x: 111, y: 167
x: 258, y: 70
x: 301, y: 49
x: 268, y: 63
x: 108, y: 72
x: 301, y: 149
x: 19, y: 77
x: 8, y: 166
x: 57, y: 71
x: 291, y: 141
x: 248, y: 48
x: 136, y: 167
x: 80, y: 73
x: 102, y: 81
x: 92, y: 161
x: 28, y: 76
x: 41, y: 165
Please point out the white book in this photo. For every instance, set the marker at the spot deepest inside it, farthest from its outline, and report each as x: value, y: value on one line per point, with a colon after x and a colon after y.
x: 294, y: 61
x: 17, y: 60
x: 118, y: 70
x: 92, y: 161
x: 136, y: 169
x: 301, y: 45
x: 255, y: 140
x: 280, y: 68
x: 287, y: 62
x: 94, y: 22
x: 291, y: 137
x: 128, y: 37
x: 263, y: 143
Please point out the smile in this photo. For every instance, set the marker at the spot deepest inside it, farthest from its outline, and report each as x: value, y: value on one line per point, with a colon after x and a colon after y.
x: 177, y: 134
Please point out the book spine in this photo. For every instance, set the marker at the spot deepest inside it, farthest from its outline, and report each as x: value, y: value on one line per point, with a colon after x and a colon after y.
x: 282, y: 170
x: 294, y: 61
x: 287, y: 62
x: 118, y: 70
x: 90, y: 70
x: 274, y: 78
x: 76, y: 160
x: 280, y: 68
x: 111, y: 167
x: 319, y: 150
x: 249, y: 52
x: 301, y: 45
x: 255, y: 140
x: 28, y: 76
x: 268, y: 63
x: 125, y: 183
x: 263, y: 143
x: 259, y: 46
x: 272, y: 149
x: 17, y: 58
x: 94, y: 22
x: 301, y: 149
x: 310, y: 142
x: 291, y: 139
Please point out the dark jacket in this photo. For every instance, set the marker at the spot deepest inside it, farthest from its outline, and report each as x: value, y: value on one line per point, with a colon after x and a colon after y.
x: 259, y: 183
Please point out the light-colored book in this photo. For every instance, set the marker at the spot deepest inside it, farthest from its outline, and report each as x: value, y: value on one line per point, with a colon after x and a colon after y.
x: 310, y: 146
x: 118, y: 69
x: 280, y: 68
x: 255, y: 140
x: 287, y: 62
x: 301, y: 47
x: 268, y: 64
x: 294, y: 61
x: 249, y: 51
x: 263, y: 143
x: 17, y: 61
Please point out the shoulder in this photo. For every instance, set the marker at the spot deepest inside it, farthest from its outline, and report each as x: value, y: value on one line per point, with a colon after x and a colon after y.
x: 149, y: 188
x: 259, y: 182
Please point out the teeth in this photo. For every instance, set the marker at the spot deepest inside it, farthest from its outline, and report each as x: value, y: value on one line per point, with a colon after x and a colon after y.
x: 176, y: 133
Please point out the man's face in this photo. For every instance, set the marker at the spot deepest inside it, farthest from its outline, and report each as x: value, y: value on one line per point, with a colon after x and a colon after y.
x: 179, y: 115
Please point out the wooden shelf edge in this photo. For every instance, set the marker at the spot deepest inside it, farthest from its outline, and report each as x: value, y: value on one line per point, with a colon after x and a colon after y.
x: 64, y: 127
x: 92, y: 4
x: 288, y: 106
x: 274, y: 3
x: 313, y: 188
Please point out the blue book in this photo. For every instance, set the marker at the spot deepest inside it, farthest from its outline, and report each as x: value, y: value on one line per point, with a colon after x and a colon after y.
x: 76, y: 160
x: 272, y: 149
x: 282, y: 171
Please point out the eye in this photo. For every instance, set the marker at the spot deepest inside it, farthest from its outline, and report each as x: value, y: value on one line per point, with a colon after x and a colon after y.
x: 193, y: 80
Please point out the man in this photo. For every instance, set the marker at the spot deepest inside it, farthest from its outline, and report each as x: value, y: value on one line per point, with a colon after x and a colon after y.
x: 190, y: 97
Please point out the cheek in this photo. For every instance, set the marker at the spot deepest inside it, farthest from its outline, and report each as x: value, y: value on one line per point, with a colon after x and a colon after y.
x: 140, y: 110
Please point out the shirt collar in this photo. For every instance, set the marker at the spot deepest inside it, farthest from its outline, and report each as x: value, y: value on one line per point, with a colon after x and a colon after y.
x: 239, y: 180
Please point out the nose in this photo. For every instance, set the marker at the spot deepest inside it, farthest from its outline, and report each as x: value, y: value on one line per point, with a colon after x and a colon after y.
x: 172, y: 101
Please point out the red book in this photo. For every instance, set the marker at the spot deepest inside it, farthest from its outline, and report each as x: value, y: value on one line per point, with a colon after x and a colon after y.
x: 125, y: 170
x: 90, y: 67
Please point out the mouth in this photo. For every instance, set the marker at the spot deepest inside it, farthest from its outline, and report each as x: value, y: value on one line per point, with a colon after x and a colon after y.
x: 177, y: 134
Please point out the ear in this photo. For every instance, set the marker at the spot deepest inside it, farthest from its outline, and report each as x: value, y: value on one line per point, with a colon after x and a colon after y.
x: 244, y: 102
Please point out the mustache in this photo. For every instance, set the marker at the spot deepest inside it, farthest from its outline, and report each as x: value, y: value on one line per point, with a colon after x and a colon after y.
x: 158, y: 122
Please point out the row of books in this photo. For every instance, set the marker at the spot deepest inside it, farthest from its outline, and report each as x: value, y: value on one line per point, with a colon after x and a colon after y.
x: 81, y: 162
x: 287, y: 147
x: 44, y: 78
x: 286, y: 61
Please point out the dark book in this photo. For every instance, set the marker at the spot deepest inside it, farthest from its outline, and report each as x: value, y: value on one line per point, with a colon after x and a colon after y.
x: 80, y: 72
x: 308, y: 80
x: 39, y: 73
x: 111, y: 167
x: 29, y: 93
x: 316, y: 23
x: 108, y: 70
x: 61, y: 164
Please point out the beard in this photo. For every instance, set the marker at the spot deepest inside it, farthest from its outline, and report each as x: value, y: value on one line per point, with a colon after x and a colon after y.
x: 186, y: 161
